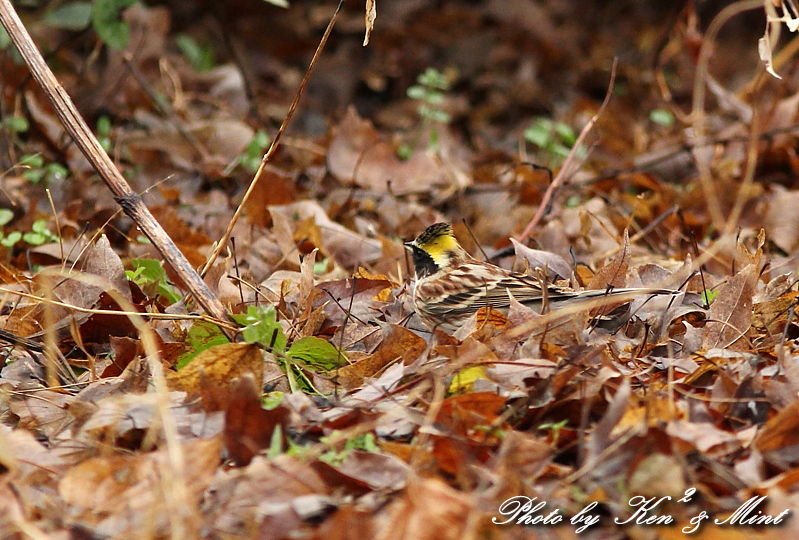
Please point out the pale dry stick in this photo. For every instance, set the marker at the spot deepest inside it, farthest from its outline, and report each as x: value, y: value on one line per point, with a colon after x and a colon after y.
x: 174, y: 475
x: 698, y: 109
x: 570, y: 165
x: 165, y: 107
x: 222, y: 242
x: 162, y: 316
x: 541, y: 322
x: 57, y: 224
x: 130, y: 201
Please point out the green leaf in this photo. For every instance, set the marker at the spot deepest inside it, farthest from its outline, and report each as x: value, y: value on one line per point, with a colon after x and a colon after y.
x: 6, y: 216
x: 71, y: 16
x: 40, y: 226
x: 317, y: 352
x: 56, y: 171
x: 538, y: 134
x: 202, y: 336
x: 200, y: 56
x: 437, y: 115
x: 250, y: 159
x: 103, y: 126
x: 417, y: 92
x: 708, y: 296
x: 432, y: 78
x: 107, y: 22
x: 404, y: 151
x: 34, y: 239
x: 17, y: 124
x: 662, y: 117
x: 272, y: 400
x: 566, y: 133
x: 11, y: 239
x: 5, y: 39
x: 149, y: 274
x: 261, y: 326
x: 32, y: 160
x: 276, y: 443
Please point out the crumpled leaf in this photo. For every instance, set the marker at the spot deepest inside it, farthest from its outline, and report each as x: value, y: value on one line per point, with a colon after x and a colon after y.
x: 731, y: 312
x: 614, y: 274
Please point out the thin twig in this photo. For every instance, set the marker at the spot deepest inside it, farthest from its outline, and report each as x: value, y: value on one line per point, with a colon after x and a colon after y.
x: 698, y: 111
x: 220, y: 245
x: 129, y: 200
x: 566, y: 170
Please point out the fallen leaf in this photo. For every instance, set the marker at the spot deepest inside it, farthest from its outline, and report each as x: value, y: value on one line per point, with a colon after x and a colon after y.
x: 731, y: 312
x: 218, y: 365
x: 249, y: 428
x: 614, y: 274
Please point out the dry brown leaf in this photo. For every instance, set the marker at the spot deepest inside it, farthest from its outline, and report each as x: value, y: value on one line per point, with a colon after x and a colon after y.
x: 249, y: 427
x: 779, y: 438
x: 556, y: 266
x: 614, y: 274
x: 358, y: 154
x: 429, y: 510
x: 400, y: 344
x: 274, y: 187
x: 347, y: 247
x: 128, y: 485
x: 781, y: 219
x: 218, y: 366
x: 731, y: 312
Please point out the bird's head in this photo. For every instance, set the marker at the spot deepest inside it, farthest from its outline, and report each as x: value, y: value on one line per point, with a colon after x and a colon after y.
x: 434, y: 249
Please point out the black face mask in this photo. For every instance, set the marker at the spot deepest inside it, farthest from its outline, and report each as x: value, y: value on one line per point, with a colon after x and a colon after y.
x: 422, y: 262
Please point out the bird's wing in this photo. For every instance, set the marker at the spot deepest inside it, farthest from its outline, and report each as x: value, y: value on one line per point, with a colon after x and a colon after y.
x: 473, y: 285
x: 469, y: 286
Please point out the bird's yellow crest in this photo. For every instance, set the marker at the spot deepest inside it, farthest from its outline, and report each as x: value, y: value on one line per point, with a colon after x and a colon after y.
x: 439, y: 242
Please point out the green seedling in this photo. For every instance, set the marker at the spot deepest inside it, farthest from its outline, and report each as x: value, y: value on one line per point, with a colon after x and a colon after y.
x: 554, y: 139
x: 430, y: 91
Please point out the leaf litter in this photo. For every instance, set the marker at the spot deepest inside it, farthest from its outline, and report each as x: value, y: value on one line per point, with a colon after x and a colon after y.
x: 339, y: 414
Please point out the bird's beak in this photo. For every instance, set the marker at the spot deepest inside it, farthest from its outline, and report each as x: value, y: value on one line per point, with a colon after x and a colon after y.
x: 409, y: 245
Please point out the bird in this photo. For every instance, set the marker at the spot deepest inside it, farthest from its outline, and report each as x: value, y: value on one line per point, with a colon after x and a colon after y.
x: 451, y: 285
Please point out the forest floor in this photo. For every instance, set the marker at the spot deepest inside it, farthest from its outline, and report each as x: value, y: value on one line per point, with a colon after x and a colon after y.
x: 334, y: 412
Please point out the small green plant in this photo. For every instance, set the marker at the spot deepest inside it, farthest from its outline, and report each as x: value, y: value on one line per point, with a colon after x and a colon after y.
x: 365, y: 442
x: 555, y: 139
x: 200, y: 56
x: 13, y: 237
x: 39, y: 234
x: 38, y: 172
x: 16, y: 124
x: 106, y: 17
x: 430, y: 91
x: 708, y: 296
x: 74, y: 16
x: 555, y: 428
x: 150, y: 276
x: 308, y: 353
x: 104, y: 133
x: 662, y: 117
x: 250, y: 159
